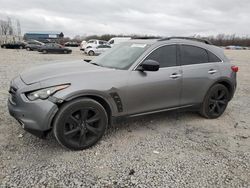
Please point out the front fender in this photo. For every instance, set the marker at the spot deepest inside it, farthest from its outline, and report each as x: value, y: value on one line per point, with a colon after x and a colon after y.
x: 105, y: 96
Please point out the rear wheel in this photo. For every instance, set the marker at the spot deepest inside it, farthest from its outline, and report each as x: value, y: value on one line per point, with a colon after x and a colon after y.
x: 215, y: 102
x: 91, y: 53
x: 80, y: 124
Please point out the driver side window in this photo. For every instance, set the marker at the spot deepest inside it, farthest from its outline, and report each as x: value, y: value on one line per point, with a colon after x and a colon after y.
x: 166, y: 56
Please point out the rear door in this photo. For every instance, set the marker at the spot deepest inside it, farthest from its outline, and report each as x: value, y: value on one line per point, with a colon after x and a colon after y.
x: 149, y: 91
x: 199, y: 71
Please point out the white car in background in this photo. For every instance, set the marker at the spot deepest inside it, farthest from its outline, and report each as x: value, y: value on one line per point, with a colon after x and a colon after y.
x: 83, y: 44
x: 117, y: 40
x: 96, y: 50
x: 93, y: 43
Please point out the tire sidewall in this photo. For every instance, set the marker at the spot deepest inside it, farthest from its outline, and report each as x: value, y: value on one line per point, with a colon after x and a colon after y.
x: 91, y: 53
x: 204, y: 109
x: 58, y: 125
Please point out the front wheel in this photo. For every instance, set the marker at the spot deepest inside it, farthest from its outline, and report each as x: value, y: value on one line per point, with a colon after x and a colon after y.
x: 80, y: 124
x: 91, y: 53
x: 215, y: 102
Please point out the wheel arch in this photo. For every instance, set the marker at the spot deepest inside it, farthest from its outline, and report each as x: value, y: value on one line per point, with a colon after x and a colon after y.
x: 228, y: 84
x: 100, y: 99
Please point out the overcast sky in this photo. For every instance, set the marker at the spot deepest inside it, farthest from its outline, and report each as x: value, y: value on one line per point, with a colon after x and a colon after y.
x: 152, y: 17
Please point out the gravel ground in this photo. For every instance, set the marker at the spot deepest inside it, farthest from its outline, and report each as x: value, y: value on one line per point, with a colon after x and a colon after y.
x: 173, y: 149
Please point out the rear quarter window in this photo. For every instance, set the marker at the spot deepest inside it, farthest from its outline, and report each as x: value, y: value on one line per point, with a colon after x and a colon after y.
x: 212, y: 57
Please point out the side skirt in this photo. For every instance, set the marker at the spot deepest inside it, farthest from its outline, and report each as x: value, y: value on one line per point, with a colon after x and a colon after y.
x: 193, y: 107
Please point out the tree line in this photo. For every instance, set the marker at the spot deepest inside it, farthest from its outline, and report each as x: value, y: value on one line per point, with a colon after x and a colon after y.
x: 218, y: 40
x: 10, y: 30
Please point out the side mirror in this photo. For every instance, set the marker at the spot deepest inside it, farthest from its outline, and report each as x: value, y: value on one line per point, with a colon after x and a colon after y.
x: 149, y: 65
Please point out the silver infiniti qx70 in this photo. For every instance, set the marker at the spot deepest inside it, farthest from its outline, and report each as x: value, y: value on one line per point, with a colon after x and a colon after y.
x: 77, y: 100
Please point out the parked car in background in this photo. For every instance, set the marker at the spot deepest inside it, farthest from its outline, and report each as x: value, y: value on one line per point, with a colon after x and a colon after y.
x: 71, y: 44
x: 83, y: 44
x: 234, y: 48
x: 77, y: 100
x: 118, y: 40
x: 97, y: 50
x: 33, y: 45
x: 14, y: 45
x: 54, y: 48
x: 93, y: 43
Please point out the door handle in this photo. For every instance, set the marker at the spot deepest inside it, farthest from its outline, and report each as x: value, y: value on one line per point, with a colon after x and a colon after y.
x: 212, y: 71
x: 175, y: 75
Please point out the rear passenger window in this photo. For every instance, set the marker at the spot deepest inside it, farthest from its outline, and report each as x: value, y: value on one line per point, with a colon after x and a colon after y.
x: 193, y: 55
x: 212, y: 57
x: 165, y: 55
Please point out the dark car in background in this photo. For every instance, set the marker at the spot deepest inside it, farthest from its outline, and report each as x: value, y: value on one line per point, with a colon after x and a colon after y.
x: 14, y: 45
x: 54, y: 48
x: 72, y: 44
x: 33, y: 45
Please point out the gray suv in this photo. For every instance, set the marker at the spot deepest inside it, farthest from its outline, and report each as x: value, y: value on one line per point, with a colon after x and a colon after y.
x: 78, y: 100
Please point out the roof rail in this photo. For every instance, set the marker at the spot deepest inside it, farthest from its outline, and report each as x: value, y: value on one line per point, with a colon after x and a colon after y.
x: 187, y: 38
x: 146, y: 37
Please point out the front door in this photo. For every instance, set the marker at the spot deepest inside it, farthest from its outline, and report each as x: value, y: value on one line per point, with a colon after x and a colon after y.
x: 149, y: 91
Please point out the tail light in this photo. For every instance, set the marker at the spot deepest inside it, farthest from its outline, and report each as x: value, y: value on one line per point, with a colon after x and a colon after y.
x: 235, y: 68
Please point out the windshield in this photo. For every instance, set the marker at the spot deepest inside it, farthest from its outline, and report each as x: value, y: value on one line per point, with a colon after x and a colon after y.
x: 121, y: 56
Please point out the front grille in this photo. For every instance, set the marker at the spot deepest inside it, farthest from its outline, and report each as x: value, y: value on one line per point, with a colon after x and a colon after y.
x: 12, y: 92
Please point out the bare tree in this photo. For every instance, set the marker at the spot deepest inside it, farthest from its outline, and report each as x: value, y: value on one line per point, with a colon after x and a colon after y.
x: 4, y: 27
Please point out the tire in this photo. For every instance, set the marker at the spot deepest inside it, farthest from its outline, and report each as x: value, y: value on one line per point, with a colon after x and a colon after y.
x: 65, y: 52
x: 215, y: 102
x: 44, y: 52
x: 80, y: 124
x: 28, y: 49
x: 20, y: 47
x: 91, y: 53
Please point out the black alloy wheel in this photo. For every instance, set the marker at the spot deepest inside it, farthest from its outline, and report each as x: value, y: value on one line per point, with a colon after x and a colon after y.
x: 215, y: 101
x: 80, y: 124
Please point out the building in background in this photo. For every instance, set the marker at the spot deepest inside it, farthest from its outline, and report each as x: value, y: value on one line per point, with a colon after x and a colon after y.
x: 43, y: 36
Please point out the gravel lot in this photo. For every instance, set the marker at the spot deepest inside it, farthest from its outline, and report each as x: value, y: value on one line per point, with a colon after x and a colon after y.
x: 173, y: 149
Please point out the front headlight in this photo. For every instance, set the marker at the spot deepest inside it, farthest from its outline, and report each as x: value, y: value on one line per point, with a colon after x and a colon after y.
x: 45, y: 93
